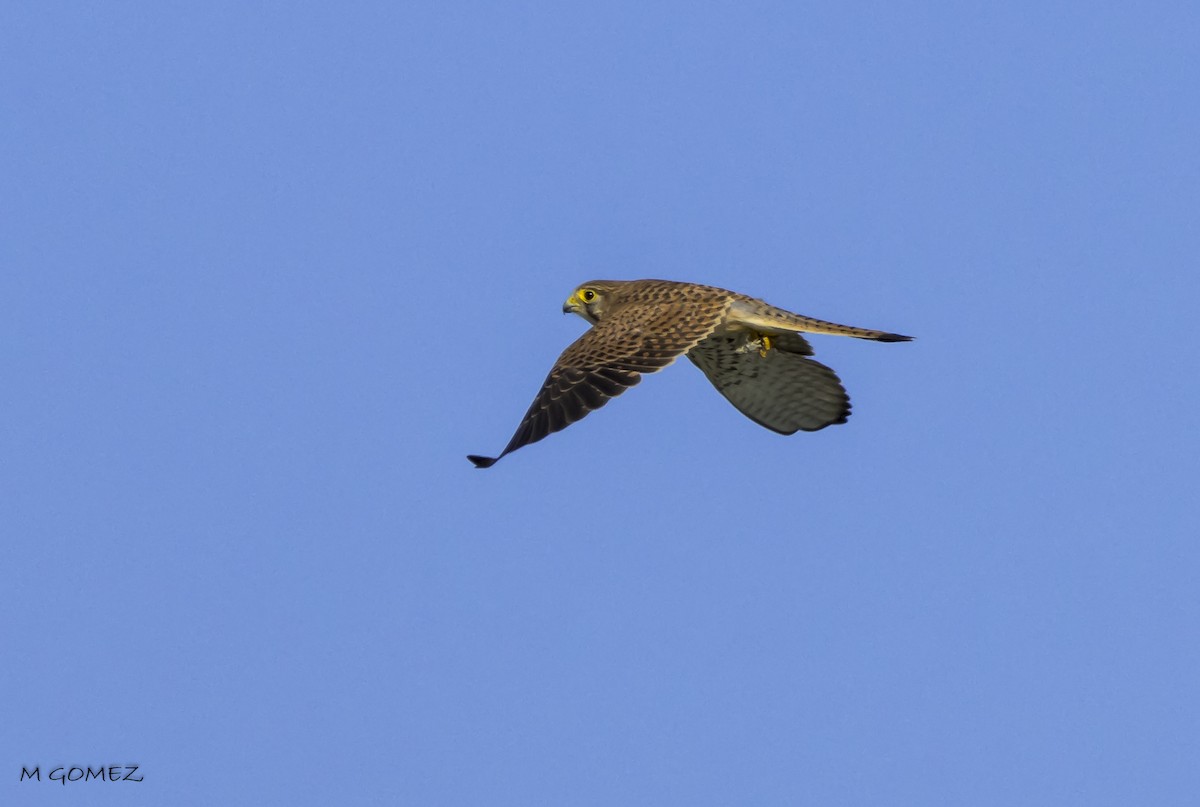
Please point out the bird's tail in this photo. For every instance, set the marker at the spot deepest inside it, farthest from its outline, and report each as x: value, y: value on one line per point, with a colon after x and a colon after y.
x: 776, y: 319
x: 810, y: 325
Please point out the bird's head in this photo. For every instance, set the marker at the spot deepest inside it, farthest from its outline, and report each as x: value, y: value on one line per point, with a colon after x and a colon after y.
x: 592, y: 300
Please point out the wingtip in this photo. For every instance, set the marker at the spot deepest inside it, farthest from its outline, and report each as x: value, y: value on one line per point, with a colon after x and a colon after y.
x: 894, y: 337
x: 482, y: 462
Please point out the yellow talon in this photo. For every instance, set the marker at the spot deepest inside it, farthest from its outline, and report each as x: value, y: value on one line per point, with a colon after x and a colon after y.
x: 766, y: 345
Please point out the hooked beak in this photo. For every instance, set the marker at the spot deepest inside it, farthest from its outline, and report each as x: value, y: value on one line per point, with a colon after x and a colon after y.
x: 570, y: 305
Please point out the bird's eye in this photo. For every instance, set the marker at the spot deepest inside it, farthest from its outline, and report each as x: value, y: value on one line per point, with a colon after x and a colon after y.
x: 587, y: 295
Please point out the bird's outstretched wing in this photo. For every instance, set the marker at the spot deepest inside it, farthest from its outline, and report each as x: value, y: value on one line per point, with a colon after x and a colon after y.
x: 782, y: 390
x: 607, y: 360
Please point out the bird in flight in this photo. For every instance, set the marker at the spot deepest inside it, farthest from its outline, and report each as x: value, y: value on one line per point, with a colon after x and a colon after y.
x: 752, y: 353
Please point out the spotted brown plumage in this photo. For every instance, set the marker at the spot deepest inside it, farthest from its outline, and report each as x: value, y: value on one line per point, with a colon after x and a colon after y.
x: 752, y: 353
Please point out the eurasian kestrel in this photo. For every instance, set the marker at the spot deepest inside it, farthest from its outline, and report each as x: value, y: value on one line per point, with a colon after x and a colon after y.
x: 752, y: 352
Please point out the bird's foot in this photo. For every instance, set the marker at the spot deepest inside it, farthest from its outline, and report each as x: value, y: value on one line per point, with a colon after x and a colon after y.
x: 755, y: 341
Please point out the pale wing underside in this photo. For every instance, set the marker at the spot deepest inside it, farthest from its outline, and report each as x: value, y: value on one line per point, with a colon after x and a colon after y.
x: 783, y: 391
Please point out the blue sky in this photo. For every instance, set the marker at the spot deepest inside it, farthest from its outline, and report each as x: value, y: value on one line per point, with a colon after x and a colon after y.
x: 271, y: 270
